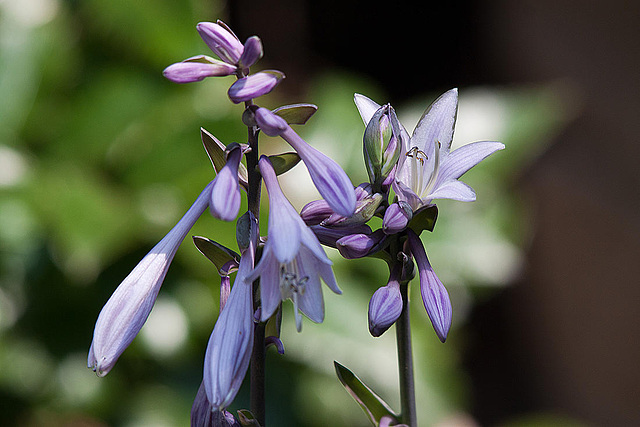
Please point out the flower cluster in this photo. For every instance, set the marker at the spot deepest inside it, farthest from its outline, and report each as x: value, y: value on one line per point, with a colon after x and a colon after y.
x: 418, y: 169
x: 292, y: 260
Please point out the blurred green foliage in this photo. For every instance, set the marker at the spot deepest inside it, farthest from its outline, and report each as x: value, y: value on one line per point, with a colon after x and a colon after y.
x: 100, y: 156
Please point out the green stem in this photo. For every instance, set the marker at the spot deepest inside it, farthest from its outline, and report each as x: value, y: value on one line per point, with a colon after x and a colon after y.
x: 257, y: 378
x: 405, y: 361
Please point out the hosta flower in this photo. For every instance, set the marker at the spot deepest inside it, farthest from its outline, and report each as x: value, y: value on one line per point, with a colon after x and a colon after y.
x: 126, y: 311
x: 434, y: 295
x: 229, y: 350
x: 293, y: 260
x: 386, y: 304
x: 332, y: 182
x: 254, y: 85
x: 225, y: 193
x: 427, y: 169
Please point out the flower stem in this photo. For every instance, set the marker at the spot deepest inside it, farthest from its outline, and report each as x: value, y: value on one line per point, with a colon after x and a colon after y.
x: 257, y: 378
x: 405, y: 361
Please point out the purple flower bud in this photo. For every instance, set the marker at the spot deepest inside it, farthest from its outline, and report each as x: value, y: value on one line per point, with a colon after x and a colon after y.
x: 252, y: 52
x: 361, y: 245
x: 385, y: 305
x: 434, y: 295
x: 229, y: 350
x: 365, y: 209
x: 254, y: 86
x: 225, y: 193
x: 313, y: 213
x: 328, y: 236
x: 126, y: 311
x: 396, y: 217
x: 203, y: 415
x: 270, y: 123
x: 197, y: 68
x: 221, y: 41
x: 382, y: 144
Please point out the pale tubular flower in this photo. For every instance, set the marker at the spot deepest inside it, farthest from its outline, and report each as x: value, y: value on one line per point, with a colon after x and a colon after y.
x: 332, y: 182
x: 293, y: 260
x: 225, y: 193
x: 196, y: 69
x: 221, y: 41
x: 426, y: 168
x: 434, y: 295
x: 126, y: 311
x: 229, y: 349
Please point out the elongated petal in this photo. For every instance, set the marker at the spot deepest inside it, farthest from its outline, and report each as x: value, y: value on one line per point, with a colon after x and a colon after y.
x: 126, y: 311
x: 229, y: 350
x: 332, y: 182
x: 190, y: 71
x: 284, y: 221
x: 270, y: 123
x: 268, y: 269
x: 437, y: 123
x: 310, y: 302
x: 434, y: 295
x: 225, y: 193
x: 454, y: 190
x: 203, y: 415
x: 366, y: 107
x: 223, y: 43
x: 458, y: 162
x: 254, y: 86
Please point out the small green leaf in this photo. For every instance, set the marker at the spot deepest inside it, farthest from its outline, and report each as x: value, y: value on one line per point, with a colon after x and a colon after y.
x: 283, y: 162
x: 218, y: 254
x: 216, y: 152
x: 373, y: 406
x: 296, y: 114
x: 246, y: 418
x: 424, y: 219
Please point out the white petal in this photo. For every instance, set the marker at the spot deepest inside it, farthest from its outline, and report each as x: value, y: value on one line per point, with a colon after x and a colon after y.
x: 464, y: 158
x: 366, y: 107
x: 454, y: 190
x: 437, y: 124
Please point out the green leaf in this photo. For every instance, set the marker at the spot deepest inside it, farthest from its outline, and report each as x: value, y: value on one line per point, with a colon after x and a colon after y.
x: 296, y: 114
x: 246, y: 418
x: 424, y: 219
x: 373, y: 406
x: 283, y: 162
x: 216, y: 151
x: 218, y: 254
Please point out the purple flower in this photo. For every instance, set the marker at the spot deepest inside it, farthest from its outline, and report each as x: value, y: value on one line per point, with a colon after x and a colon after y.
x: 330, y: 235
x: 293, y: 260
x: 382, y: 144
x: 197, y: 68
x: 360, y: 245
x: 434, y: 295
x: 126, y: 311
x: 229, y: 350
x: 385, y: 305
x: 254, y: 85
x: 252, y: 52
x: 332, y: 182
x: 203, y: 414
x: 225, y: 193
x: 426, y: 168
x: 221, y: 41
x: 396, y: 217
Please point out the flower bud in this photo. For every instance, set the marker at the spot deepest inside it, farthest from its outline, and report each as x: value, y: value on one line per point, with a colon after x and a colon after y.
x: 396, y: 217
x: 221, y: 41
x: 225, y: 193
x: 196, y: 69
x: 382, y: 144
x: 365, y: 210
x: 329, y: 236
x: 252, y: 52
x: 254, y: 86
x: 313, y: 213
x: 385, y: 307
x: 270, y: 123
x: 360, y: 245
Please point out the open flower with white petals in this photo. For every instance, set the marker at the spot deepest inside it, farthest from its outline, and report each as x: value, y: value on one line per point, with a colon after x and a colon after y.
x: 293, y: 260
x: 427, y: 169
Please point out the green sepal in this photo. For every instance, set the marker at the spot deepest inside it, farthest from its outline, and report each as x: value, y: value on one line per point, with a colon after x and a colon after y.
x: 424, y: 219
x: 373, y: 406
x: 216, y: 152
x: 218, y: 254
x: 246, y: 418
x: 296, y: 114
x: 283, y: 162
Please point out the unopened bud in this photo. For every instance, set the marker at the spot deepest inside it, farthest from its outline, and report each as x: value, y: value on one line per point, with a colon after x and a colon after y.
x: 382, y: 144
